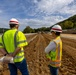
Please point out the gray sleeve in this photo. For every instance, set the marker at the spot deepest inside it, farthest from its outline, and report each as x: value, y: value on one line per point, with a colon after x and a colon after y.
x: 51, y: 46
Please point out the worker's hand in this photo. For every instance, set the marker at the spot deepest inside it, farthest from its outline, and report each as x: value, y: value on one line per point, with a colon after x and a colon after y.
x: 11, y: 55
x: 6, y: 59
x: 47, y: 59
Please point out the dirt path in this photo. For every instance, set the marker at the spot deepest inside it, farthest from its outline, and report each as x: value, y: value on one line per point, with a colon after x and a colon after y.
x: 70, y: 36
x: 36, y: 57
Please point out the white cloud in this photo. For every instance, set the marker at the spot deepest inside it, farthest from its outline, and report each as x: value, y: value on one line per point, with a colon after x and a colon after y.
x: 39, y: 13
x: 45, y: 8
x: 69, y: 10
x: 53, y: 19
x: 35, y: 1
x: 1, y: 11
x: 4, y: 23
x: 50, y: 6
x: 36, y: 23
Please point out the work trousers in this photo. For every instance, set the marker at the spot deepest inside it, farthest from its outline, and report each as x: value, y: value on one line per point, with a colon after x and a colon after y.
x: 53, y: 70
x: 22, y: 66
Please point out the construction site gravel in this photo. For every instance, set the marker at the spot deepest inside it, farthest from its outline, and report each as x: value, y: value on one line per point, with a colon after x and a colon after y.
x: 36, y: 57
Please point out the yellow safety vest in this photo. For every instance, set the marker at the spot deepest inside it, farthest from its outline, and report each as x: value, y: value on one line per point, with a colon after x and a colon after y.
x: 55, y: 56
x: 12, y: 39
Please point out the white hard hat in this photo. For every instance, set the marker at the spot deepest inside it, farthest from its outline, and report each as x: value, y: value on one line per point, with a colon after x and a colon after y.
x: 13, y: 21
x: 56, y: 28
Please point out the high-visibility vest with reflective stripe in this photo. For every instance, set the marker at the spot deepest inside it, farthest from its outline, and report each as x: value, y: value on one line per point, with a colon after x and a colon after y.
x: 1, y: 43
x: 55, y: 56
x: 13, y: 39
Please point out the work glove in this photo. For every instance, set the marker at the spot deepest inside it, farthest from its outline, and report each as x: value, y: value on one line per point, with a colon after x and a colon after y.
x: 6, y: 59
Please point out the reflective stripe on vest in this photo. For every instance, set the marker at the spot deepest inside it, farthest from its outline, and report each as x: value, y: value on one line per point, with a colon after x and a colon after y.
x: 15, y: 44
x: 20, y: 56
x: 58, y: 53
x: 17, y: 57
x: 21, y: 41
x: 53, y: 62
x: 15, y: 41
x: 19, y: 52
x: 57, y: 61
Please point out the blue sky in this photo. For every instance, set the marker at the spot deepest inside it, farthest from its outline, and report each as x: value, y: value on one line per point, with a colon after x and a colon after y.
x: 36, y: 13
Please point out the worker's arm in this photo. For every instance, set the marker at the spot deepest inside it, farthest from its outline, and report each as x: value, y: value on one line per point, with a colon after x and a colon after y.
x: 15, y: 52
x: 18, y: 49
x: 2, y: 50
x: 21, y: 43
x: 51, y: 46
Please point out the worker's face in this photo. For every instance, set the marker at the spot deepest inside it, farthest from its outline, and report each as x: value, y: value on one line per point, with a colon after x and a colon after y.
x: 53, y: 34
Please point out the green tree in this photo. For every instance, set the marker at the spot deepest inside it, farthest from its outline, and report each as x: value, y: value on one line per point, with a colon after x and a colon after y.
x: 68, y: 24
x: 28, y: 30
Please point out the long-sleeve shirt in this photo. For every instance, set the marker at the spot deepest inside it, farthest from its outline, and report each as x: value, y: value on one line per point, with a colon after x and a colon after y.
x: 51, y: 46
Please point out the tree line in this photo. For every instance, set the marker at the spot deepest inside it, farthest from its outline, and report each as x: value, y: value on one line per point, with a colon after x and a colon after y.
x: 2, y: 30
x: 69, y: 23
x: 28, y: 29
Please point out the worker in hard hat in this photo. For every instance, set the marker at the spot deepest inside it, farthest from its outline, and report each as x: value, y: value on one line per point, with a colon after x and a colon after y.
x: 12, y: 43
x: 54, y: 50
